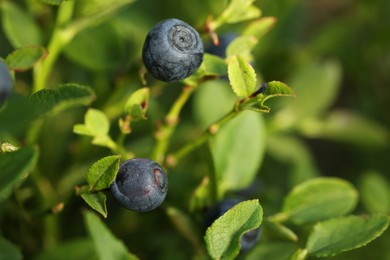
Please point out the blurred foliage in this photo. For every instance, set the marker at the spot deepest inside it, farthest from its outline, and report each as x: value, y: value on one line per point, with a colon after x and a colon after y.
x: 335, y: 55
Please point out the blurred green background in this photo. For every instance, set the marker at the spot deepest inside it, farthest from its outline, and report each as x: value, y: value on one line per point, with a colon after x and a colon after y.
x: 335, y: 54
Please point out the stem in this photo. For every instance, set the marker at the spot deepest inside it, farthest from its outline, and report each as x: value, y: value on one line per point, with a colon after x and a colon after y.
x: 164, y: 133
x: 173, y: 158
x: 58, y: 40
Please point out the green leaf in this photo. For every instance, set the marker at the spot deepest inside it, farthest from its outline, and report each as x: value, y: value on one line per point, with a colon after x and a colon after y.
x: 60, y: 98
x: 9, y: 250
x: 316, y: 86
x: 242, y: 46
x: 279, y: 231
x: 137, y: 104
x: 224, y: 235
x: 106, y: 245
x: 238, y: 150
x: 238, y: 11
x: 97, y: 201
x: 274, y: 251
x: 98, y: 57
x: 15, y: 21
x: 96, y: 122
x: 213, y: 65
x: 25, y: 58
x: 375, y: 192
x: 102, y: 173
x: 94, y: 13
x: 242, y: 76
x: 337, y: 235
x: 15, y: 167
x: 319, y: 199
x: 53, y: 2
x: 206, y: 110
x: 259, y: 27
x: 291, y: 151
x: 346, y: 126
x: 78, y: 248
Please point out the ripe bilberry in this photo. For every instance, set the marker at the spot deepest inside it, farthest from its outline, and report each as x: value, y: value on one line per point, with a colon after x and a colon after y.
x: 172, y: 51
x: 140, y: 185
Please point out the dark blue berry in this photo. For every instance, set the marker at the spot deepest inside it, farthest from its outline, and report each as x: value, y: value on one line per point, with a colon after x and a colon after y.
x: 5, y: 82
x: 248, y: 239
x: 140, y: 185
x: 172, y: 51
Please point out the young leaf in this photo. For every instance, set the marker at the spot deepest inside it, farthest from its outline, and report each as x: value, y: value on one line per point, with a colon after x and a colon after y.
x: 102, y: 173
x: 223, y: 236
x: 97, y: 125
x: 202, y: 196
x: 97, y: 201
x: 14, y: 21
x: 137, y: 104
x: 60, y: 98
x: 237, y: 151
x: 337, y: 235
x: 107, y: 246
x: 375, y: 192
x: 14, y: 168
x: 242, y: 46
x: 259, y: 27
x: 238, y: 11
x: 25, y: 58
x: 319, y: 199
x: 9, y: 250
x: 242, y: 76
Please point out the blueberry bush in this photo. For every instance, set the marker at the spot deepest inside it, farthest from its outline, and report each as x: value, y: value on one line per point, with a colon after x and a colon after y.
x: 268, y: 119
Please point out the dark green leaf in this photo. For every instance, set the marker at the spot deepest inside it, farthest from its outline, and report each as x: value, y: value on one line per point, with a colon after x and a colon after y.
x: 106, y: 245
x: 25, y: 58
x: 102, y: 173
x: 242, y: 76
x: 9, y: 250
x: 224, y: 235
x: 19, y: 27
x: 79, y: 248
x: 319, y: 199
x: 237, y: 151
x: 97, y: 201
x: 337, y: 235
x: 15, y: 166
x: 375, y: 192
x: 60, y: 98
